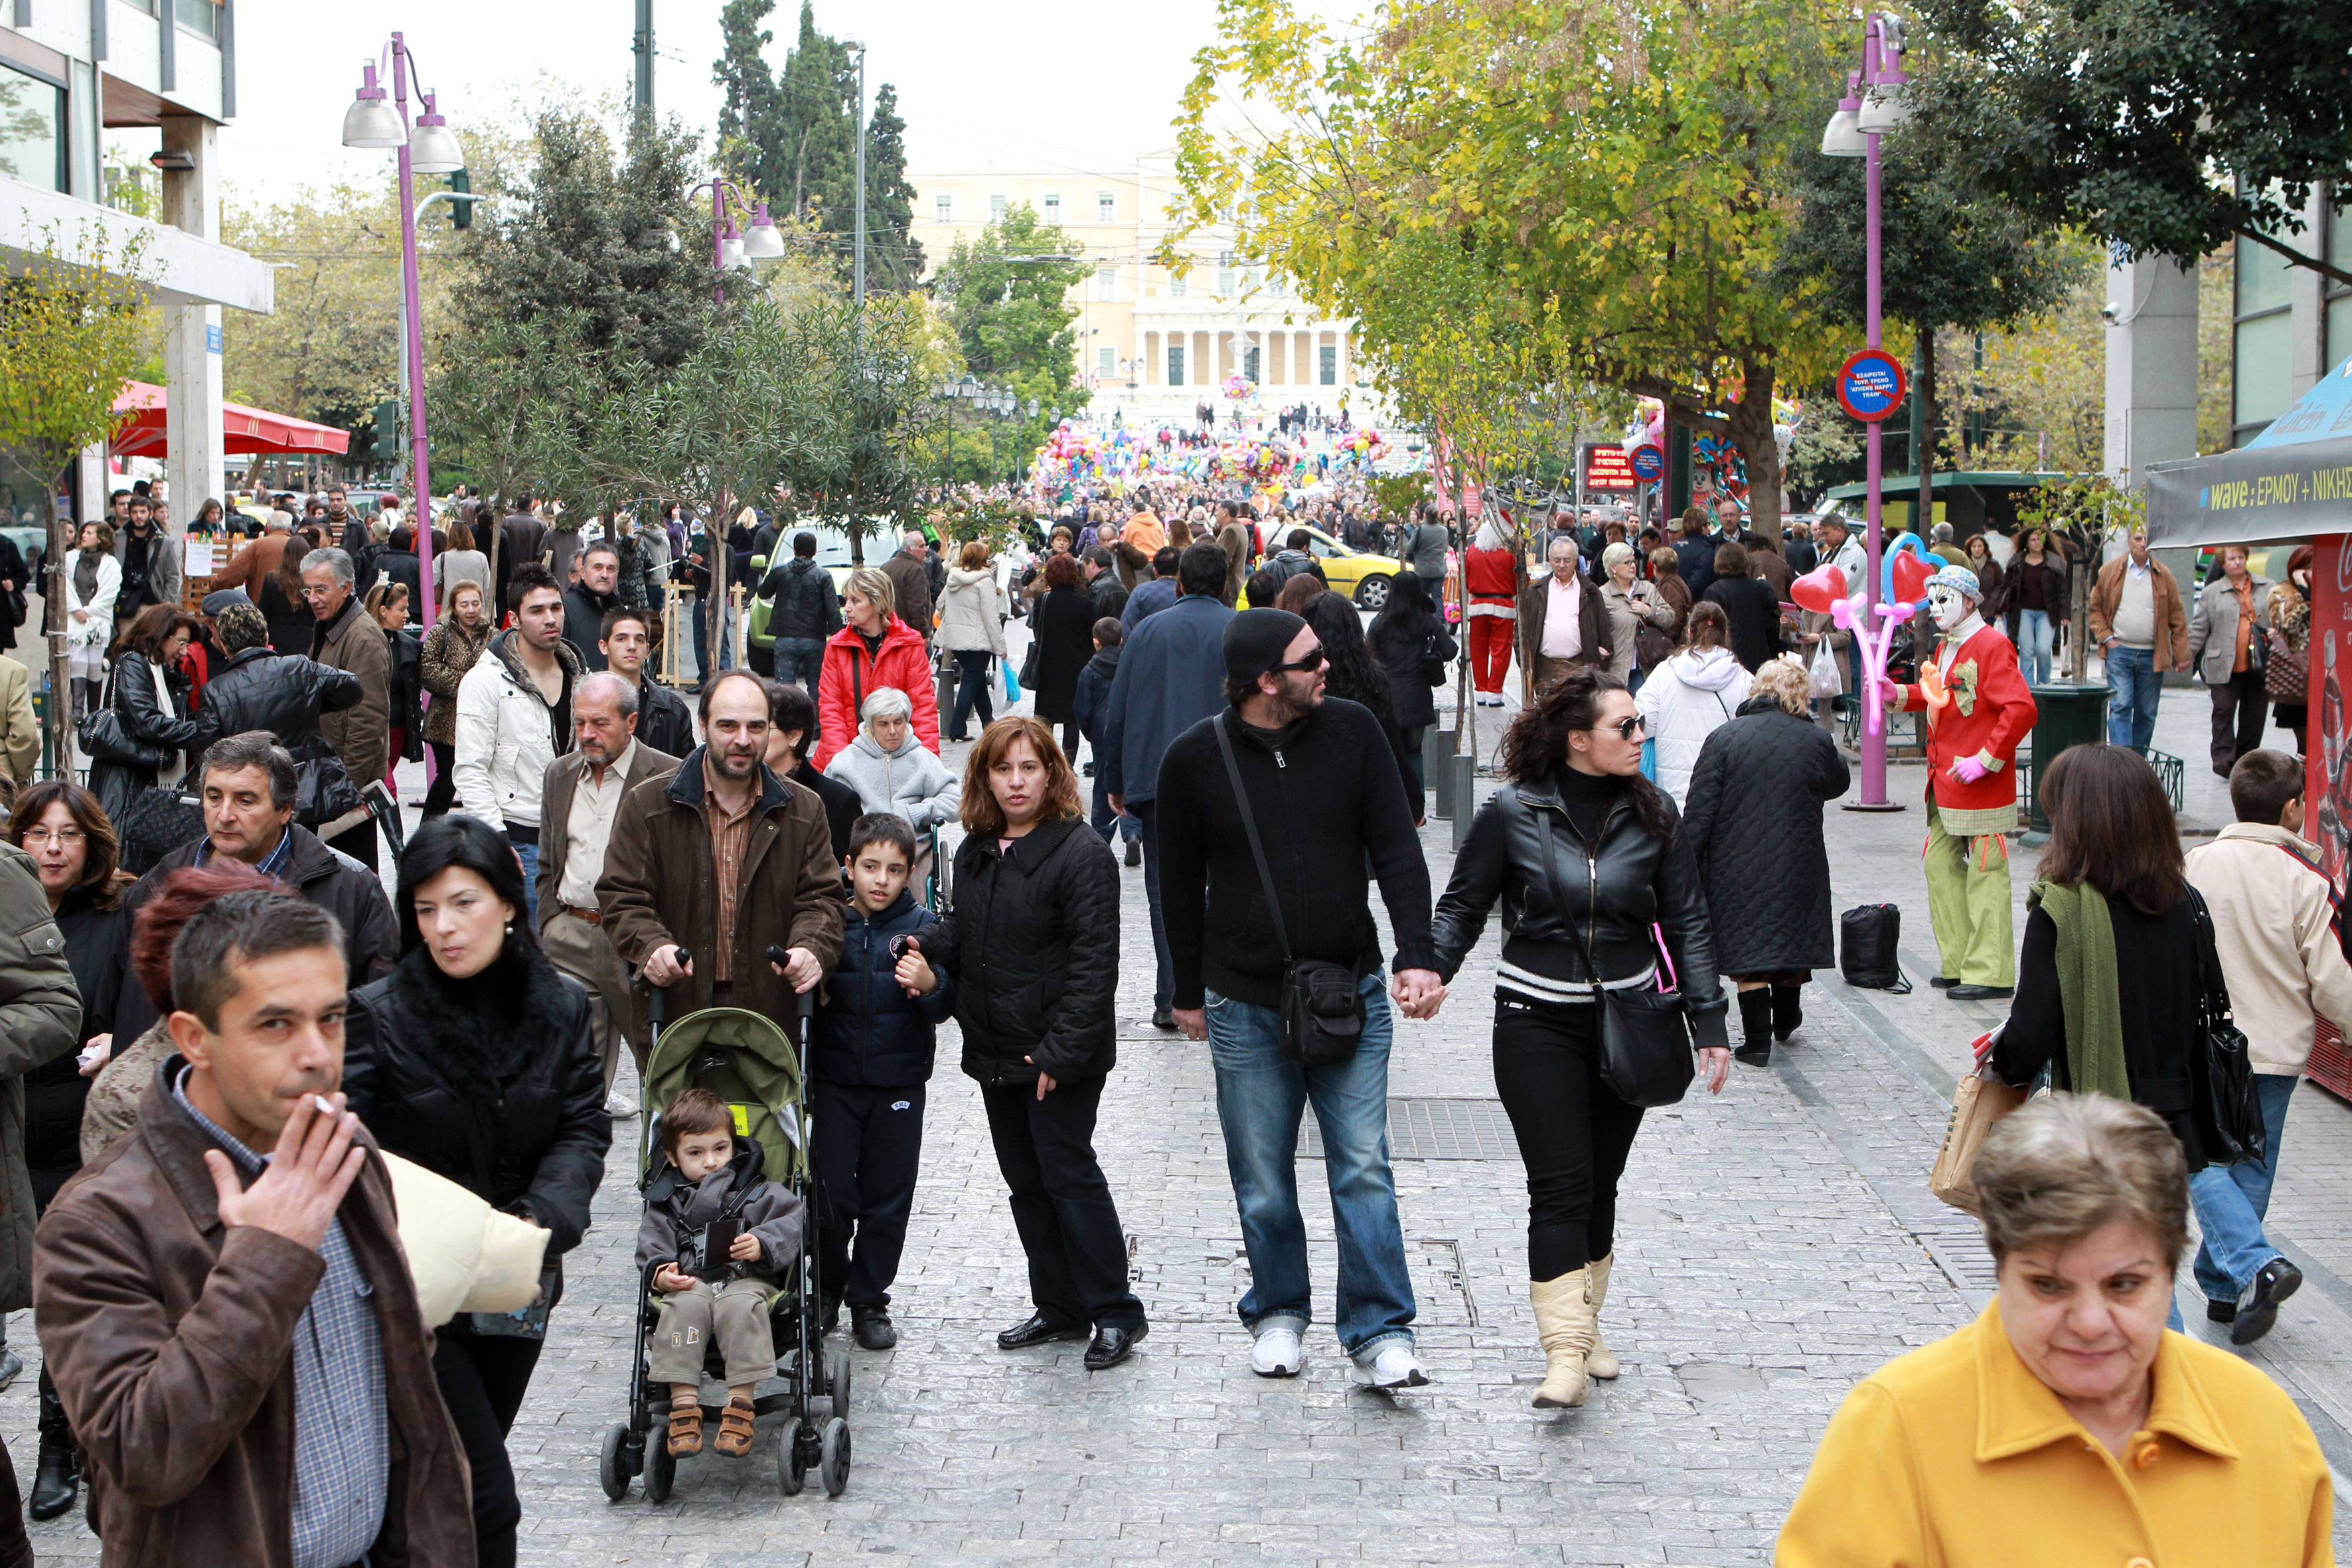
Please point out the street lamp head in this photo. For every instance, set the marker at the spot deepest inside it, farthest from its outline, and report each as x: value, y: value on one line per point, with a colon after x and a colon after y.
x: 433, y: 147
x: 1885, y: 106
x: 730, y: 253
x: 1033, y: 408
x: 764, y: 240
x: 971, y: 388
x: 1843, y: 137
x: 371, y: 122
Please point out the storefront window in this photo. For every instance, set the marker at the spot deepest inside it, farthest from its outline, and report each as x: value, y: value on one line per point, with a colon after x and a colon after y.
x: 32, y: 130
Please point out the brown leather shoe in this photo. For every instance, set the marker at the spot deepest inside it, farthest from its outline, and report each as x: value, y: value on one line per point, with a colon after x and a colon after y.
x: 685, y: 1429
x: 734, y: 1438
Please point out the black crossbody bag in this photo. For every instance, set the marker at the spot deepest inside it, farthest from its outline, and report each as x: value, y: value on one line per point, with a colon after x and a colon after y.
x: 1322, y: 1010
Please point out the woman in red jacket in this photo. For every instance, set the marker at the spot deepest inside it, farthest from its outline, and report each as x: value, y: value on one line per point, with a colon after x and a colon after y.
x: 874, y: 649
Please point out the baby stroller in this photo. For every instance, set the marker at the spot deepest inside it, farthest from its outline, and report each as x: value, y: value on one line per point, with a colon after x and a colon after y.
x: 748, y: 1060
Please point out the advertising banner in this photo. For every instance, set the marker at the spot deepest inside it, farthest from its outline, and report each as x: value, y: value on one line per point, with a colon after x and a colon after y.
x: 2327, y: 786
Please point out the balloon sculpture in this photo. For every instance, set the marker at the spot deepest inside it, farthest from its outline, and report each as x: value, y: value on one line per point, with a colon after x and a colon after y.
x: 1904, y: 570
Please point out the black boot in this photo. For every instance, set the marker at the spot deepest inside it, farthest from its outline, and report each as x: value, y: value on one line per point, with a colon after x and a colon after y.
x: 1755, y: 1023
x: 56, y: 1476
x: 1788, y: 1013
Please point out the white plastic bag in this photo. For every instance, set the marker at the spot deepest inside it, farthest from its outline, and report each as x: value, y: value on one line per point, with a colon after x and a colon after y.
x: 1827, y: 679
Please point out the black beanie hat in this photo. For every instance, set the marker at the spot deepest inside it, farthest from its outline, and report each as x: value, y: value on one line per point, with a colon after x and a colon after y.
x: 1255, y: 641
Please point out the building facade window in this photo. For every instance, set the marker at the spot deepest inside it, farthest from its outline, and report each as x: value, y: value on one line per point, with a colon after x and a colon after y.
x: 1250, y: 364
x: 1175, y: 365
x: 1106, y: 207
x: 1225, y: 276
x: 1175, y: 284
x: 1106, y: 280
x: 2338, y: 318
x: 2262, y: 341
x: 202, y: 18
x: 996, y: 205
x: 942, y: 209
x: 32, y: 130
x: 1327, y: 365
x: 1106, y: 362
x: 1052, y: 209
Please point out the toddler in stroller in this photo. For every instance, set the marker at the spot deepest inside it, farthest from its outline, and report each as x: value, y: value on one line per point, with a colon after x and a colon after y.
x: 725, y: 1239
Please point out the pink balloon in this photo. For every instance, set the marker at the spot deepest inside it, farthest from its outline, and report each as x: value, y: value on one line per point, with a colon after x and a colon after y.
x: 1820, y: 589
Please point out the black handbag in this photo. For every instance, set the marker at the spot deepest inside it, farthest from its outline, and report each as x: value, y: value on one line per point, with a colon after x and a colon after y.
x: 1432, y: 663
x: 2231, y: 1127
x: 152, y: 824
x: 1646, y: 1057
x: 106, y: 738
x: 1322, y: 1004
x: 1867, y: 938
x: 323, y: 791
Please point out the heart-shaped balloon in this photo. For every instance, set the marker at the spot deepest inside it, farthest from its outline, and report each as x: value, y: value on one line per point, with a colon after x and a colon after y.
x: 1819, y: 588
x: 1905, y: 567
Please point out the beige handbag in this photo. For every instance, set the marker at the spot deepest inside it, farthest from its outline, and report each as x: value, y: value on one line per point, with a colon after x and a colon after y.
x: 1978, y: 1104
x: 465, y: 1255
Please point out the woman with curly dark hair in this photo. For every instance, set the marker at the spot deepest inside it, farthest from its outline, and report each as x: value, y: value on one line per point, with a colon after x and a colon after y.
x: 1350, y: 672
x: 1598, y: 894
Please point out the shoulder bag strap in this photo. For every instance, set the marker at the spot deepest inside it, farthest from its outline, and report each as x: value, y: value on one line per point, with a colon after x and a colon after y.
x: 1249, y: 826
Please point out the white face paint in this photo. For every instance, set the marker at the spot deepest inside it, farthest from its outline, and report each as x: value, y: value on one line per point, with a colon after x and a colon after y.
x: 1948, y: 605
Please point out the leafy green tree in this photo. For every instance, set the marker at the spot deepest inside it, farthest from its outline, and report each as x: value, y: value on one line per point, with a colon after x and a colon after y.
x: 2164, y: 126
x: 1006, y: 294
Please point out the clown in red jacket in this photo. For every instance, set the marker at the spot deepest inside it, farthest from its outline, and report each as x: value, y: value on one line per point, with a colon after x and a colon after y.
x: 1491, y: 574
x: 1979, y: 710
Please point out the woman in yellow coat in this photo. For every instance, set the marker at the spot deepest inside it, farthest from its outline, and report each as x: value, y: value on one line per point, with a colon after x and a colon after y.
x: 2065, y: 1428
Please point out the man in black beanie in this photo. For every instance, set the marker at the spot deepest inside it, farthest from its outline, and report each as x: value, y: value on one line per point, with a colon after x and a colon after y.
x: 1323, y: 794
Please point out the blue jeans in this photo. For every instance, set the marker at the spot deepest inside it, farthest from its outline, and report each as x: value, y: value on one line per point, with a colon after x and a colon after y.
x: 1260, y: 1098
x: 528, y: 855
x: 2131, y: 716
x: 2231, y: 1200
x: 1163, y: 985
x: 726, y: 640
x: 973, y: 689
x: 799, y: 659
x: 2034, y: 635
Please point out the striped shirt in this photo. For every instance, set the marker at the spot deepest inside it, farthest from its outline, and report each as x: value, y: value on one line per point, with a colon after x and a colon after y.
x: 730, y: 835
x: 342, y: 1452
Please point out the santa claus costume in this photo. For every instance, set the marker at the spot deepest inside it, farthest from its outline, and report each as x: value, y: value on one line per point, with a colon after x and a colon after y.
x: 1491, y: 577
x: 1979, y: 710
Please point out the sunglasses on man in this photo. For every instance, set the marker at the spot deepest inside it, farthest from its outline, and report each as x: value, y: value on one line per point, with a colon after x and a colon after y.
x: 1314, y: 659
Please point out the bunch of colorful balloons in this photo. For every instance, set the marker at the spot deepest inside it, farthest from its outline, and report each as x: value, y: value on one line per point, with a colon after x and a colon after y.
x: 1360, y: 448
x: 1904, y: 569
x: 1238, y: 387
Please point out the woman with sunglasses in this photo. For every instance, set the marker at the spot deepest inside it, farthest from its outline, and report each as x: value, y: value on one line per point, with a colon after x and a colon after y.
x: 1598, y: 894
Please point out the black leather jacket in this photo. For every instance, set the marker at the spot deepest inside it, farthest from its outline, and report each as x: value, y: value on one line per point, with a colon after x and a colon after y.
x: 1558, y: 898
x: 805, y: 603
x: 283, y: 693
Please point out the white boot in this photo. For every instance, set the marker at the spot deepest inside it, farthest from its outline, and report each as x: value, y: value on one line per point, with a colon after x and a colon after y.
x: 1598, y: 1362
x: 1564, y: 1322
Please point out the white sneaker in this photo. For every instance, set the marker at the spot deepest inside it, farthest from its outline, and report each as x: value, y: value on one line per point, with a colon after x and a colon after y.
x: 1392, y: 1366
x: 619, y: 1106
x: 1280, y: 1352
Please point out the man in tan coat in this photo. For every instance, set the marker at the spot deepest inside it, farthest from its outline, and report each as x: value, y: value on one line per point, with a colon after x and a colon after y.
x: 2141, y: 630
x: 20, y: 732
x: 348, y: 638
x: 2276, y: 928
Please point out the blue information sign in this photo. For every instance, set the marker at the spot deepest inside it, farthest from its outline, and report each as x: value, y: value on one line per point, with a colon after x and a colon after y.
x: 1648, y: 463
x: 1870, y: 384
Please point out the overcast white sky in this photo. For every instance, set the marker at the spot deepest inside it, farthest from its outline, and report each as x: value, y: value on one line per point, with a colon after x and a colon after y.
x: 1013, y: 83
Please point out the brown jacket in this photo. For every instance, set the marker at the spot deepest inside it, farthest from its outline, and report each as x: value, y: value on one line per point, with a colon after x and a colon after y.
x: 659, y: 886
x: 171, y: 1339
x: 910, y: 586
x: 1534, y: 603
x: 449, y: 652
x: 361, y: 735
x: 563, y: 781
x: 2171, y: 618
x: 256, y: 561
x: 1235, y: 539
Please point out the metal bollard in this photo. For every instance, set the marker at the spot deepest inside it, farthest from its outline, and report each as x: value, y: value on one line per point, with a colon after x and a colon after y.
x: 1436, y: 749
x: 1464, y: 768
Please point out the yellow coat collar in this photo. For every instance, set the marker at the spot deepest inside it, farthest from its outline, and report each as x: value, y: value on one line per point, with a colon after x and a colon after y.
x: 2017, y: 1412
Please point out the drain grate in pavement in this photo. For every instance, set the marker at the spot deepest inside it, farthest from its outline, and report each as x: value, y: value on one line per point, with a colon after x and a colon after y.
x: 1957, y: 1246
x: 1434, y: 1130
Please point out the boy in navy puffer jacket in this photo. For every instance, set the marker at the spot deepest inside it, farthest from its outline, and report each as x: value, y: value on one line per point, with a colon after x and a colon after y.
x: 869, y: 1061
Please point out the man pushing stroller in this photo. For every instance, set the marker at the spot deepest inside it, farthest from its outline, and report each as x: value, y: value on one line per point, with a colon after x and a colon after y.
x: 706, y: 1200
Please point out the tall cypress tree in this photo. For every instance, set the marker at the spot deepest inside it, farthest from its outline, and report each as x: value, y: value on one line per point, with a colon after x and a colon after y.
x: 747, y: 114
x: 894, y: 257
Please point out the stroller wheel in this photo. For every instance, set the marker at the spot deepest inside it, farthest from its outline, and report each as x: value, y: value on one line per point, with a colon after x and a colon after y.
x: 837, y: 1381
x: 612, y: 1464
x: 791, y: 1474
x: 661, y: 1468
x: 833, y: 1470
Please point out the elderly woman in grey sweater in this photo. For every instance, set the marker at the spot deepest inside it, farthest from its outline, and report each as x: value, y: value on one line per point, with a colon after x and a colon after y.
x: 889, y: 767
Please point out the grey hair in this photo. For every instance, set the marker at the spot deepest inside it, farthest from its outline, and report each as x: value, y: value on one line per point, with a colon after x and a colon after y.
x: 1941, y: 533
x: 253, y: 749
x: 624, y: 695
x: 887, y: 703
x: 2067, y: 1164
x: 333, y: 560
x: 1621, y: 551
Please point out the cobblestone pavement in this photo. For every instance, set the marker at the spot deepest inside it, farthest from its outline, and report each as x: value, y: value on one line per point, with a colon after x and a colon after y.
x: 1776, y: 1244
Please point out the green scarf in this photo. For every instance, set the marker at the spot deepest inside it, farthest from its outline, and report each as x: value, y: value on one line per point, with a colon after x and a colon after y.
x: 2087, y: 986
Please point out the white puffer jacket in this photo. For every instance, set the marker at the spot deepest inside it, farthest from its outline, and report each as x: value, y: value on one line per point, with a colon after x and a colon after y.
x: 1683, y: 702
x: 970, y: 613
x: 506, y: 734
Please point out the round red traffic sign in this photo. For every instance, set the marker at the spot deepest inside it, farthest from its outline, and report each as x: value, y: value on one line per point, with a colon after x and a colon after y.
x: 1870, y: 384
x: 1648, y: 463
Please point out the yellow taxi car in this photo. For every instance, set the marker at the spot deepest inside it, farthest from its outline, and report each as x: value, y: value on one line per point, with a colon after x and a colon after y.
x: 1363, y: 577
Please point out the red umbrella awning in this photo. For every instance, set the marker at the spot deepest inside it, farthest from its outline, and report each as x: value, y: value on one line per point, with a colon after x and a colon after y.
x: 244, y: 430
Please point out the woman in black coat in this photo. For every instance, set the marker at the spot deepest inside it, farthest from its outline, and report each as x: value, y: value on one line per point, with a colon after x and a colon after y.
x: 59, y: 824
x: 473, y: 1057
x: 284, y: 693
x: 1035, y: 890
x: 1754, y: 610
x: 1063, y: 625
x: 154, y: 712
x: 1752, y: 818
x: 1410, y: 640
x: 1352, y: 673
